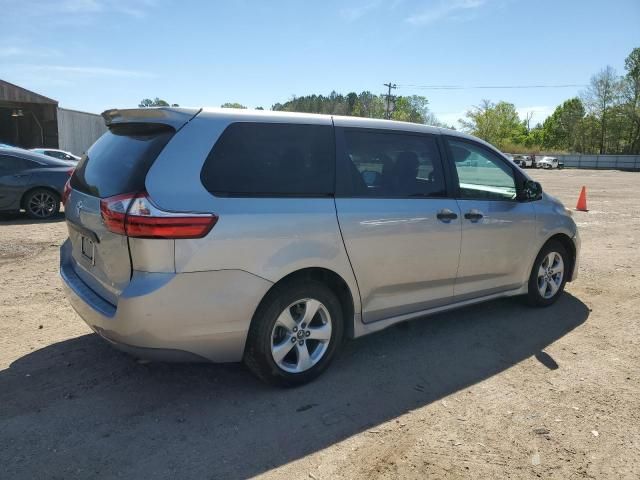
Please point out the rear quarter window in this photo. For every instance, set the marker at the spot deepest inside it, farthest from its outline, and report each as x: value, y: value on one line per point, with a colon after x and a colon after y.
x: 11, y: 165
x: 119, y: 160
x: 271, y: 159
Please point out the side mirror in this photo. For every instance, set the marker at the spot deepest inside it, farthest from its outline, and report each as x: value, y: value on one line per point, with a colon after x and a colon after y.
x: 531, y: 191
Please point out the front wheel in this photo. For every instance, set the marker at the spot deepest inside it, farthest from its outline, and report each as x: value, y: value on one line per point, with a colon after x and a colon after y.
x: 295, y: 333
x: 548, y: 276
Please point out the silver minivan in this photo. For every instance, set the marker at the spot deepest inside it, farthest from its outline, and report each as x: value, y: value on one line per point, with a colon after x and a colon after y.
x: 228, y: 235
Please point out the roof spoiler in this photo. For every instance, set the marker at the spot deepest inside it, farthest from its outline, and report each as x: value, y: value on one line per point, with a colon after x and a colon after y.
x: 174, y: 117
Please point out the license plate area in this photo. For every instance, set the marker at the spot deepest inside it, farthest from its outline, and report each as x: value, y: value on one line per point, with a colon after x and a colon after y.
x: 88, y: 249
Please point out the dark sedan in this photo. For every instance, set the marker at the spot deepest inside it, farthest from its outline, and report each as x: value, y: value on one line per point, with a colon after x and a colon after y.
x: 32, y: 182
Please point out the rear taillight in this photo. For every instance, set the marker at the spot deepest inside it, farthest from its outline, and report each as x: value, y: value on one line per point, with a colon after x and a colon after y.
x: 134, y: 215
x: 113, y: 211
x: 66, y: 191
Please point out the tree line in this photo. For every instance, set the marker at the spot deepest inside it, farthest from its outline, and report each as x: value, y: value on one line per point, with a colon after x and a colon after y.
x: 604, y: 118
x: 412, y: 108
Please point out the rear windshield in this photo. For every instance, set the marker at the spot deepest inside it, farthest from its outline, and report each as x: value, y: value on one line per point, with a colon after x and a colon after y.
x: 271, y: 159
x: 119, y: 160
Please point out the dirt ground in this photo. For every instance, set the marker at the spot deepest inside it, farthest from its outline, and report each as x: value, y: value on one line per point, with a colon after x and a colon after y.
x: 492, y: 391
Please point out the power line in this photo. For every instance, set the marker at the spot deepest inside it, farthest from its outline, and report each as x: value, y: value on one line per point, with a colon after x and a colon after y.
x: 477, y: 87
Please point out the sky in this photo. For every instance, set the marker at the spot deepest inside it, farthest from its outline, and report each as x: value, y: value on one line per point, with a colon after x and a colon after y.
x: 92, y: 55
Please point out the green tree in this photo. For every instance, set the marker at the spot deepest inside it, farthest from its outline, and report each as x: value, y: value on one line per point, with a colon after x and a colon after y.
x: 366, y: 104
x: 535, y: 138
x: 352, y: 101
x: 497, y: 123
x: 156, y: 102
x: 590, y: 134
x: 631, y: 95
x: 562, y: 130
x: 601, y: 95
x: 410, y: 109
x: 232, y: 105
x: 370, y: 105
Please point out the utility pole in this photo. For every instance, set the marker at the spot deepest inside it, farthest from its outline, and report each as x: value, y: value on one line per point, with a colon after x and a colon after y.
x: 389, y: 98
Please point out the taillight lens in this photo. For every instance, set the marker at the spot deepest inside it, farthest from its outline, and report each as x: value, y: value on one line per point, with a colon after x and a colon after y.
x: 136, y: 216
x: 113, y: 211
x: 66, y: 191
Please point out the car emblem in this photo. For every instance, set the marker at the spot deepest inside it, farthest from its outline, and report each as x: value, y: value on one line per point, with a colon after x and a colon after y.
x: 79, y: 206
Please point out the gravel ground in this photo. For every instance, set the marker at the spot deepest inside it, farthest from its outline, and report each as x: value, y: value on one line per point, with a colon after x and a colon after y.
x: 492, y: 391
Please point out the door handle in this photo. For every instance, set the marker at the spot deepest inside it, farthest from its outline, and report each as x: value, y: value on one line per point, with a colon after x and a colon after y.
x: 446, y: 215
x: 473, y: 215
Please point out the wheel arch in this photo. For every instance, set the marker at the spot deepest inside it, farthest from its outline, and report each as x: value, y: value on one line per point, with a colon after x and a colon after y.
x: 569, y: 246
x: 334, y: 281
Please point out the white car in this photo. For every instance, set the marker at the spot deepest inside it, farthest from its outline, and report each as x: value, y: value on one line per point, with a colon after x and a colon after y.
x: 56, y: 153
x: 523, y: 161
x: 547, y: 162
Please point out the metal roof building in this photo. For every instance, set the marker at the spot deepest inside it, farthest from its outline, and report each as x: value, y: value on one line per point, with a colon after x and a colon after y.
x: 29, y: 120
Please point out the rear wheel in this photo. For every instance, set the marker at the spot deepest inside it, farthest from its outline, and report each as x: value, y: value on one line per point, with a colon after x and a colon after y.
x: 548, y: 276
x: 295, y: 333
x: 41, y: 204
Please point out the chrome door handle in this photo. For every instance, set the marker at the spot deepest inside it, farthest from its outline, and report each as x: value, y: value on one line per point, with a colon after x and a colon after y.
x: 473, y: 215
x: 446, y: 215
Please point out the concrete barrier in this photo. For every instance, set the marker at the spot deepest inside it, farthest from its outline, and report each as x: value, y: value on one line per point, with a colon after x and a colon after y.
x: 618, y: 162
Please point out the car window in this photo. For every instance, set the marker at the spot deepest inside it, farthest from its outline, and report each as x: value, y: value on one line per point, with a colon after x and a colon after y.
x: 390, y: 164
x: 271, y: 159
x: 53, y: 153
x: 12, y: 165
x: 481, y: 173
x: 119, y: 160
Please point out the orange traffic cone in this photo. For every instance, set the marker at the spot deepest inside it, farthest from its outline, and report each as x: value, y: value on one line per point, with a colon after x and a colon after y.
x: 582, y: 200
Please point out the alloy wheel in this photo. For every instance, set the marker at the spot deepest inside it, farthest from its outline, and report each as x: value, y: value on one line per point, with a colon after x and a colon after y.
x: 301, y: 335
x: 42, y: 204
x: 550, y: 275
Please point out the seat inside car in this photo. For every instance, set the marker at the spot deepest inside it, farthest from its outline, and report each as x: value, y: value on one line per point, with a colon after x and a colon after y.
x: 402, y: 177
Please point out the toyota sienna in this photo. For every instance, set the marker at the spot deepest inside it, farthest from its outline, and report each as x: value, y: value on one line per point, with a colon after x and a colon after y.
x: 227, y: 235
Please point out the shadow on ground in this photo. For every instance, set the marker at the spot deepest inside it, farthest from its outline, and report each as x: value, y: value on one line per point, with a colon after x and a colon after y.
x: 24, y: 219
x: 78, y: 408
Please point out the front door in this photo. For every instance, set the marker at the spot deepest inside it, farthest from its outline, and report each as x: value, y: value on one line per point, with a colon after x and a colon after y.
x: 497, y: 229
x: 401, y: 231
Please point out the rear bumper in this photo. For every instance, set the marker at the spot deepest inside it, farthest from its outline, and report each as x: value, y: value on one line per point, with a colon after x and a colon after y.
x: 169, y: 316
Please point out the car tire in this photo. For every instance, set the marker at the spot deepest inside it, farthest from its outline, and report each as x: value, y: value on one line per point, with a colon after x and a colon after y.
x: 282, y: 348
x: 548, y: 275
x: 41, y: 203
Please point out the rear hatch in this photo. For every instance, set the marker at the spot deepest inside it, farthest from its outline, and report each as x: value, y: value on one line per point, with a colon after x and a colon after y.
x: 116, y: 164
